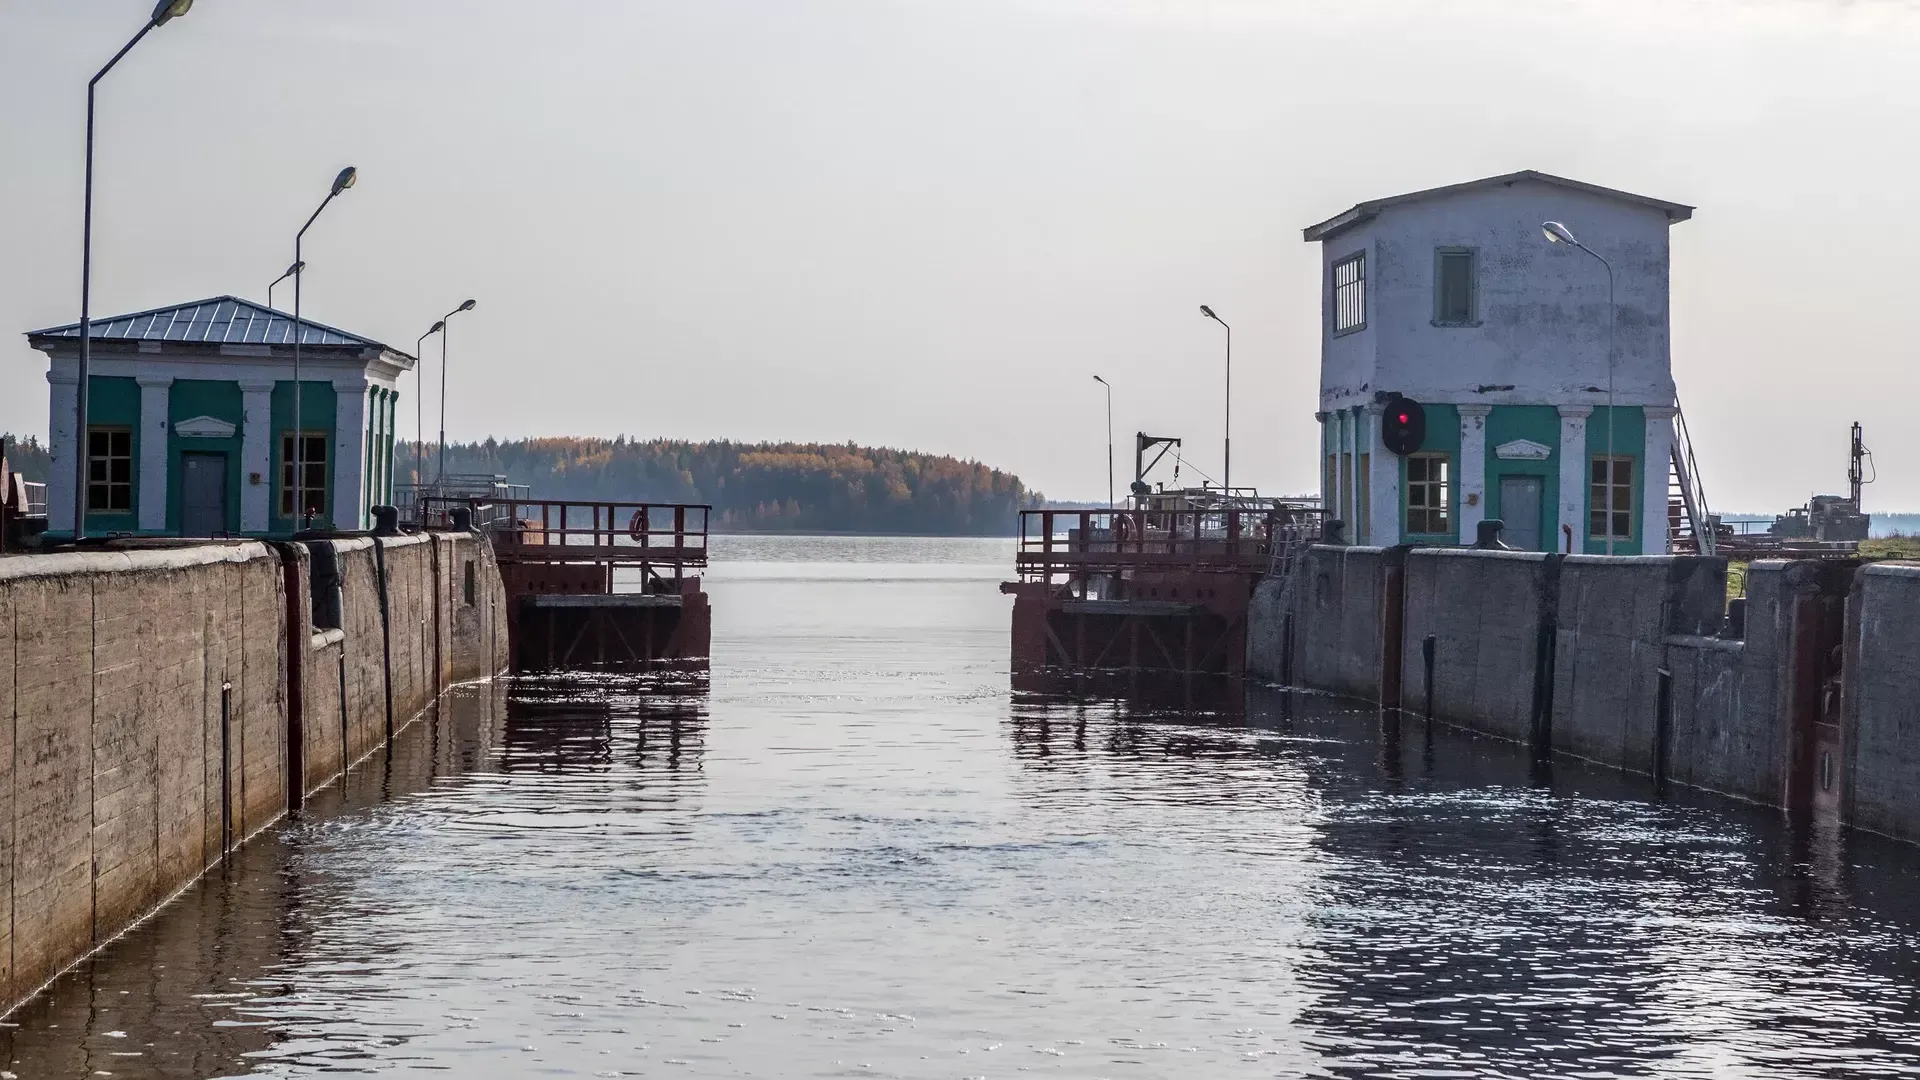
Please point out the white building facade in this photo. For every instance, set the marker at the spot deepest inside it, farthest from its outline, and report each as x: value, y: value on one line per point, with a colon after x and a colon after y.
x: 191, y: 423
x: 1544, y: 399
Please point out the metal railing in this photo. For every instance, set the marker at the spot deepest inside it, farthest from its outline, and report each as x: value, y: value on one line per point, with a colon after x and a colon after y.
x: 530, y: 531
x: 1699, y: 530
x: 1089, y: 542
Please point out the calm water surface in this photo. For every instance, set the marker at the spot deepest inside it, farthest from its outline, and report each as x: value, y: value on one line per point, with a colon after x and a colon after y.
x: 860, y: 855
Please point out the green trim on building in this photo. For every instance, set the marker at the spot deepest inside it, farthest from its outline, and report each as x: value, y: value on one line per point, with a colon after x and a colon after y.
x: 1629, y: 441
x: 318, y: 410
x: 1538, y: 423
x: 114, y: 401
x: 222, y: 400
x: 1443, y: 437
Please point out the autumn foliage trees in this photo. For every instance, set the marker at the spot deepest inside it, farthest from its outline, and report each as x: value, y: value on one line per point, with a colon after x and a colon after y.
x: 771, y: 487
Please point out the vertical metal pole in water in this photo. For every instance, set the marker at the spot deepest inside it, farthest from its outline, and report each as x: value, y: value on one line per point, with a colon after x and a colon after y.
x: 343, y: 718
x: 1286, y: 651
x: 226, y: 770
x: 1427, y: 645
x: 1663, y: 731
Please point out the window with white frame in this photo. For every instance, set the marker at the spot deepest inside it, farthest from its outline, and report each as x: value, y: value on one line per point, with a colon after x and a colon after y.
x: 1429, y: 495
x: 313, y: 461
x: 1350, y: 293
x: 1611, y: 520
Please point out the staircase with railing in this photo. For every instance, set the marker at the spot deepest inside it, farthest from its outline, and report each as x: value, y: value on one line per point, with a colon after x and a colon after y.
x: 1690, y: 524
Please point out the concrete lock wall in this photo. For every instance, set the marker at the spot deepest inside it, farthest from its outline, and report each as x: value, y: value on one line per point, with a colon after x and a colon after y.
x: 1483, y: 610
x: 1883, y: 710
x: 150, y: 720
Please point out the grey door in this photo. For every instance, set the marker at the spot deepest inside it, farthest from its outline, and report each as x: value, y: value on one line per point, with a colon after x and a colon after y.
x: 203, y: 494
x: 1520, y: 498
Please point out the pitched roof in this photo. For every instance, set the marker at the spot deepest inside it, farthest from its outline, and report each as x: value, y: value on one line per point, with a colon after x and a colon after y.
x: 222, y: 320
x: 1366, y: 211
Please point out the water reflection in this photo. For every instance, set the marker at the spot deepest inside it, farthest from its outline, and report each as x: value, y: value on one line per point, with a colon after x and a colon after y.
x: 858, y: 853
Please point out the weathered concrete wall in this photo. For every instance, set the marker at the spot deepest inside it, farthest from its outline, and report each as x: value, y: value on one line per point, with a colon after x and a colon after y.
x: 1336, y: 636
x: 148, y: 715
x: 1883, y: 721
x: 1483, y: 609
x: 1612, y: 618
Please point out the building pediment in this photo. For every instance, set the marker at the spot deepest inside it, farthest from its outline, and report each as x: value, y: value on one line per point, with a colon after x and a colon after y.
x: 1523, y: 450
x: 205, y: 427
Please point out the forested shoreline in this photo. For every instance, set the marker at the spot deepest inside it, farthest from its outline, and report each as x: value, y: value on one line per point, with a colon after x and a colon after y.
x: 761, y: 487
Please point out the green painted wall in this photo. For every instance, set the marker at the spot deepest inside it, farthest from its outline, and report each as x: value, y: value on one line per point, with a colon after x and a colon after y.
x: 317, y: 409
x: 1540, y: 423
x: 189, y: 398
x: 1629, y: 440
x: 114, y: 401
x: 1443, y: 436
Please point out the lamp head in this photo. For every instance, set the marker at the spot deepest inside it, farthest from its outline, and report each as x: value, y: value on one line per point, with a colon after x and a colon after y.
x: 295, y: 268
x: 170, y: 9
x: 1557, y: 233
x: 1101, y: 381
x: 437, y: 327
x: 1208, y: 312
x: 345, y: 180
x: 468, y: 306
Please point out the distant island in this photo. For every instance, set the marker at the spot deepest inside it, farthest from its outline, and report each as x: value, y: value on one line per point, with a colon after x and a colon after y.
x: 761, y: 487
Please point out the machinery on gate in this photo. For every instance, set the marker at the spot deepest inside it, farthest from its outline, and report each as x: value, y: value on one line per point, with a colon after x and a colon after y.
x: 1160, y: 586
x: 610, y: 586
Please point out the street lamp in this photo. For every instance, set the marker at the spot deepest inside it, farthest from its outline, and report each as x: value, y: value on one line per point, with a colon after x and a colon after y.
x: 291, y: 271
x: 1109, y: 387
x: 442, y: 469
x: 163, y: 12
x: 1557, y: 233
x: 1226, y: 473
x: 342, y: 182
x: 419, y: 413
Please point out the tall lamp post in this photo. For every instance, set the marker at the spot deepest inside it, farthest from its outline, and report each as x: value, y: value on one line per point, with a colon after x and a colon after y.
x: 442, y: 469
x: 291, y: 271
x: 163, y: 12
x: 419, y: 410
x: 1226, y: 473
x: 341, y: 183
x: 1557, y: 233
x: 1109, y: 387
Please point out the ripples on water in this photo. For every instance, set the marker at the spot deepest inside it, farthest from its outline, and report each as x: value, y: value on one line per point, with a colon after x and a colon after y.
x: 858, y: 854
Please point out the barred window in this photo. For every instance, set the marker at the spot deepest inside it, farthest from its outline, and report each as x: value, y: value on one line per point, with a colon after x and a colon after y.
x: 109, y: 470
x: 1350, y: 293
x: 314, y: 462
x: 1429, y: 495
x: 1622, y: 504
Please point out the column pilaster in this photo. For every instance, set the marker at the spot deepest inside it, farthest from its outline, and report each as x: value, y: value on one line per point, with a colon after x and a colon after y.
x: 1573, y: 476
x: 63, y: 441
x: 1383, y: 485
x: 155, y: 392
x: 349, y: 466
x: 1473, y: 469
x: 1654, y: 496
x: 256, y: 456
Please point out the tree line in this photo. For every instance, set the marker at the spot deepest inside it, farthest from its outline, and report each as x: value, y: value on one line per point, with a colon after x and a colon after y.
x: 760, y: 487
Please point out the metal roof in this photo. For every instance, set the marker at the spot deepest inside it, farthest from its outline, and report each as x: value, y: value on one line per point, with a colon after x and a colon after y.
x: 223, y: 320
x: 1366, y: 211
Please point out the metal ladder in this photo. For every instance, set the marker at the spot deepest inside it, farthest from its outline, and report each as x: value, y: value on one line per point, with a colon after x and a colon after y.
x: 1690, y: 523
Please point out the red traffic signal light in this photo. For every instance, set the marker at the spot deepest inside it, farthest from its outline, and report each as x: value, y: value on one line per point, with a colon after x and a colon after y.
x: 1405, y: 426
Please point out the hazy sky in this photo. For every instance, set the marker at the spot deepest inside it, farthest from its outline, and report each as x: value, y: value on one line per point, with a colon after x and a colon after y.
x: 927, y: 223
